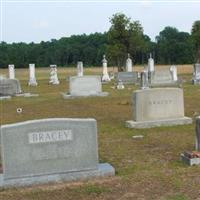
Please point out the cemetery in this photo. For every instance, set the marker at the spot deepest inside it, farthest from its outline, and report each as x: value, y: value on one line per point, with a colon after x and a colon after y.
x: 144, y: 159
x: 105, y: 115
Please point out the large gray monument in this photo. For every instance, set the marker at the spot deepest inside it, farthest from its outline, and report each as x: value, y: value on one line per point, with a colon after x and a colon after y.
x: 48, y: 150
x: 196, y: 74
x: 83, y: 86
x: 158, y: 107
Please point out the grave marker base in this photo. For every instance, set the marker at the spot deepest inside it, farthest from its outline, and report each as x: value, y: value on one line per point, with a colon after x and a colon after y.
x: 157, y: 123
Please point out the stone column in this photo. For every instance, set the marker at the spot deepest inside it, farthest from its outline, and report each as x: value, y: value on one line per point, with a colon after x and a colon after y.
x: 129, y: 64
x: 173, y: 70
x: 105, y: 77
x: 53, y: 75
x: 151, y: 64
x: 144, y: 84
x: 80, y: 68
x: 32, y: 79
x: 198, y: 133
x: 11, y: 69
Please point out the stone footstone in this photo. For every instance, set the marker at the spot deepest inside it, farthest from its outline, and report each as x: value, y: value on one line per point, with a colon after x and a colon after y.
x: 4, y: 97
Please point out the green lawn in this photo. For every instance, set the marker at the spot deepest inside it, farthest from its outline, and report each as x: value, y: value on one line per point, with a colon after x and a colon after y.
x: 148, y: 168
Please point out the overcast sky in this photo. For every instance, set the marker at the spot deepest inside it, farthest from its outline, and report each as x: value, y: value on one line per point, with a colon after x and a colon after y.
x: 25, y: 21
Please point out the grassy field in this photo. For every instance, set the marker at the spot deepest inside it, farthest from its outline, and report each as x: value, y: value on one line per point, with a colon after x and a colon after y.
x: 146, y: 169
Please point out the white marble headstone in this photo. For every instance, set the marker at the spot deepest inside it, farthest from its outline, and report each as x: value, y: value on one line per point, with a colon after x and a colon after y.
x: 11, y: 69
x: 129, y: 64
x: 151, y: 64
x: 80, y: 68
x: 105, y: 77
x: 32, y: 78
x: 53, y: 75
x: 173, y: 70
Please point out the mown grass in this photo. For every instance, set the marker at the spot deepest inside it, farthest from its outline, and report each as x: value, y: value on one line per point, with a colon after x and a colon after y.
x: 148, y: 168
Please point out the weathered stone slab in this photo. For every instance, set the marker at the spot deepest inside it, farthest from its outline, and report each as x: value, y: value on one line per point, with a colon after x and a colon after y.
x: 83, y: 86
x: 46, y: 150
x: 158, y: 107
x: 9, y: 87
x: 128, y: 77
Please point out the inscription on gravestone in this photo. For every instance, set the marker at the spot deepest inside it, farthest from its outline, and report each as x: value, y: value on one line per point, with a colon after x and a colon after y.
x: 50, y: 136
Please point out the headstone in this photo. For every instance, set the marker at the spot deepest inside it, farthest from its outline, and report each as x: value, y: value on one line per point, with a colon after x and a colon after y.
x: 10, y: 87
x: 158, y: 107
x: 11, y: 69
x: 32, y: 78
x: 163, y: 77
x: 47, y: 150
x: 129, y: 64
x: 173, y: 70
x: 144, y: 84
x: 53, y: 75
x: 128, y: 77
x: 80, y: 68
x: 196, y: 74
x: 151, y: 64
x: 80, y: 86
x: 105, y: 77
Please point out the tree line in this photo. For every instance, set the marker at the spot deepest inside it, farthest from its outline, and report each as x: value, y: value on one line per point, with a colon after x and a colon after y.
x: 124, y: 36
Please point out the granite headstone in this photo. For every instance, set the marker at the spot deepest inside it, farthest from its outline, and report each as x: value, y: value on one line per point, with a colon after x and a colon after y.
x: 157, y: 107
x: 40, y: 151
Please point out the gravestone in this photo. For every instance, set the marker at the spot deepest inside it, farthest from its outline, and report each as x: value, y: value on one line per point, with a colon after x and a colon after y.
x: 11, y: 71
x: 158, y: 107
x: 173, y: 70
x: 47, y: 150
x: 105, y: 77
x: 198, y: 133
x: 163, y: 77
x: 53, y: 75
x: 80, y: 68
x: 151, y: 64
x: 129, y: 64
x: 10, y: 87
x: 83, y: 86
x: 32, y: 78
x: 144, y: 81
x: 196, y: 74
x: 128, y: 77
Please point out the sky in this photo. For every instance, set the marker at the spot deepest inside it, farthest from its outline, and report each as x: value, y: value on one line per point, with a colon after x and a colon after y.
x: 39, y: 20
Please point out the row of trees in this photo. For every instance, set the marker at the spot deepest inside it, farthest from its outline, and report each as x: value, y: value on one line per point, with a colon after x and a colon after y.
x: 124, y: 36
